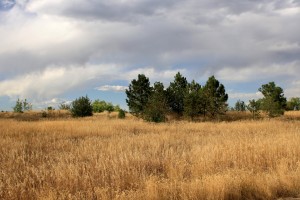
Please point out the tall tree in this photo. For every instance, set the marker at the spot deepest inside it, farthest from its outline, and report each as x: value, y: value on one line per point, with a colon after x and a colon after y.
x: 215, y: 97
x: 274, y: 102
x: 240, y: 106
x: 293, y: 104
x: 176, y: 92
x: 138, y: 94
x: 193, y: 100
x: 156, y: 108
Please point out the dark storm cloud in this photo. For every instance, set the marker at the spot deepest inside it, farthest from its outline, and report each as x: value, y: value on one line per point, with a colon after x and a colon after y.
x: 6, y: 5
x: 238, y: 40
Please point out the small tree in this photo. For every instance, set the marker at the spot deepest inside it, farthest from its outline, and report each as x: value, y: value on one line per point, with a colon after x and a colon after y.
x: 293, y: 104
x: 156, y: 108
x: 82, y: 107
x: 22, y: 106
x: 215, y: 97
x: 121, y: 114
x: 240, y: 106
x: 176, y: 92
x: 274, y: 102
x: 64, y: 106
x: 193, y: 100
x: 254, y: 107
x: 138, y: 94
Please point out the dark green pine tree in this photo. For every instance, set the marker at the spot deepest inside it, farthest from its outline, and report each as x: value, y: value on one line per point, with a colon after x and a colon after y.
x: 156, y: 108
x: 193, y: 100
x: 176, y: 92
x: 138, y: 94
x: 274, y: 102
x: 215, y: 97
x: 82, y: 107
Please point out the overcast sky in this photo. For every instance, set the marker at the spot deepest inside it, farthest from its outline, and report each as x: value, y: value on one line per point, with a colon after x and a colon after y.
x: 57, y: 50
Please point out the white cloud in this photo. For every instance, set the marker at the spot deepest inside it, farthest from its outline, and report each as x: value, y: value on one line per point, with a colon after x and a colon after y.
x: 115, y: 88
x: 245, y: 96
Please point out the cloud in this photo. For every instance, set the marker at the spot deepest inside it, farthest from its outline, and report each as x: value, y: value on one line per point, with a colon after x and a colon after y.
x: 50, y: 48
x: 115, y: 88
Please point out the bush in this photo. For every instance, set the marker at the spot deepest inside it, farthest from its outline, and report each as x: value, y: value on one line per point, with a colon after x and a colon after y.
x: 82, y: 107
x: 121, y: 114
x: 22, y: 106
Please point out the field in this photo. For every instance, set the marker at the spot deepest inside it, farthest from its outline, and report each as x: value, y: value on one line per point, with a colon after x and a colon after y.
x: 102, y: 157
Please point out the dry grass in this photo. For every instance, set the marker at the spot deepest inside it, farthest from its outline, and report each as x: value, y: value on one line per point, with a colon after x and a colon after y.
x: 106, y: 158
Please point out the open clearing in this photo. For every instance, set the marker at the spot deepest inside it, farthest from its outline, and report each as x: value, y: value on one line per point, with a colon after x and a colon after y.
x: 103, y: 158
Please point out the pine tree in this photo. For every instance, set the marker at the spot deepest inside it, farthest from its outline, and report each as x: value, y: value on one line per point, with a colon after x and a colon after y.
x: 138, y: 94
x: 215, y: 97
x: 193, y: 100
x: 176, y: 92
x: 156, y: 108
x: 274, y: 102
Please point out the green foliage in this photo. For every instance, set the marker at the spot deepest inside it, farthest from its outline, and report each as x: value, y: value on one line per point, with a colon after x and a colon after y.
x: 82, y: 107
x: 254, y: 107
x: 64, y: 106
x: 274, y: 102
x: 193, y: 100
x: 293, y: 104
x: 22, y: 106
x: 156, y: 108
x: 101, y: 106
x: 50, y: 108
x: 215, y: 97
x: 240, y: 106
x: 176, y: 92
x: 138, y: 94
x: 121, y: 114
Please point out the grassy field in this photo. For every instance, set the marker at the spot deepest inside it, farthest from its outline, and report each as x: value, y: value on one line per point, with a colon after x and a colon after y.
x: 102, y: 157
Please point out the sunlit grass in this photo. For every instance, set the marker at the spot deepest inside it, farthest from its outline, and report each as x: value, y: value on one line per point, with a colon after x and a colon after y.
x: 102, y: 157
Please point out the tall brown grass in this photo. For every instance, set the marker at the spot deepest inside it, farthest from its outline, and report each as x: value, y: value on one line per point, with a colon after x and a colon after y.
x: 106, y: 158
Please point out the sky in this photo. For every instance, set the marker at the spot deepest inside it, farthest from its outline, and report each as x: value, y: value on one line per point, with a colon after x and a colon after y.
x: 55, y: 51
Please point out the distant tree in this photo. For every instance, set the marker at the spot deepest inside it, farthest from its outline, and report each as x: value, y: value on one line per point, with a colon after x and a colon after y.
x: 273, y: 102
x: 240, y: 106
x: 215, y: 97
x: 176, y: 92
x: 156, y: 108
x: 138, y: 94
x: 193, y: 100
x: 121, y: 114
x: 254, y: 107
x: 22, y: 106
x: 293, y: 104
x: 82, y: 107
x: 99, y: 106
x: 50, y: 108
x: 64, y: 106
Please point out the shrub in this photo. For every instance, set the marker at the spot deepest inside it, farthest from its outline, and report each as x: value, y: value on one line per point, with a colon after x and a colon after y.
x: 121, y: 114
x: 82, y: 107
x: 22, y: 106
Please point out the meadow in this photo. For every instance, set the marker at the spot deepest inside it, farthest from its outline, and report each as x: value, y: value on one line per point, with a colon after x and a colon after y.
x: 102, y: 157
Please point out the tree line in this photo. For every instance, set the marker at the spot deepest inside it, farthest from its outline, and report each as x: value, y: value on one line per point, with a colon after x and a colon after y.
x: 191, y: 100
x: 180, y: 99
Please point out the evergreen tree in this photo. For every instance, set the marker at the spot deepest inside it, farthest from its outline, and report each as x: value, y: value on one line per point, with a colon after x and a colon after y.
x: 193, y: 100
x: 215, y: 97
x: 138, y: 94
x: 156, y: 108
x: 293, y: 104
x: 82, y: 107
x: 176, y: 92
x: 240, y: 106
x: 254, y: 107
x: 274, y: 102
